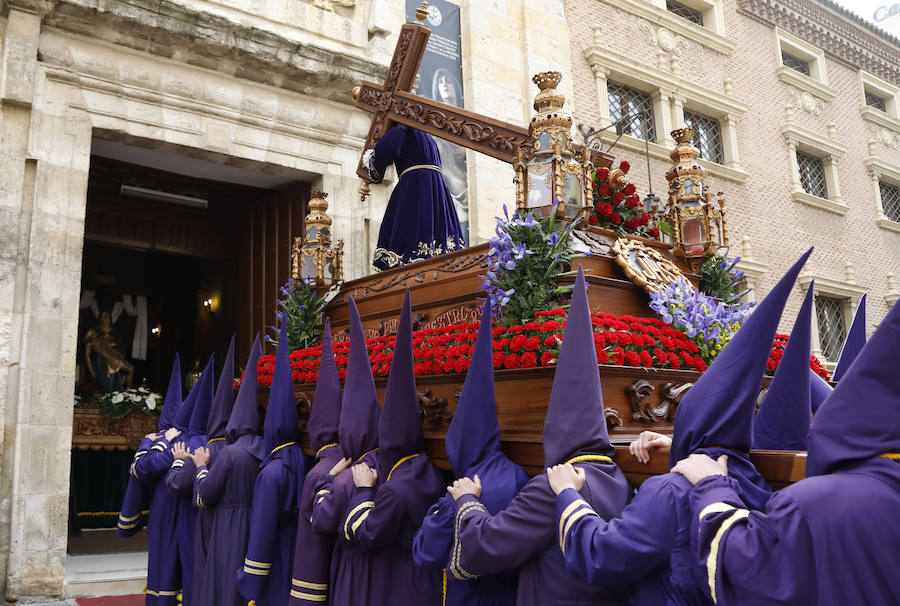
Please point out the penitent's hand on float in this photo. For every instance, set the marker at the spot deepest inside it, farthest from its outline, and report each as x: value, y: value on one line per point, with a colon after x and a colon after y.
x: 647, y: 442
x: 464, y: 486
x: 180, y: 451
x: 565, y: 476
x: 364, y: 476
x: 171, y: 434
x: 200, y: 456
x: 699, y: 466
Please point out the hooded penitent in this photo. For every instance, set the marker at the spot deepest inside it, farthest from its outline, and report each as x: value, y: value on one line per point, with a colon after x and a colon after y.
x: 326, y: 410
x: 473, y: 438
x: 861, y: 418
x: 718, y: 409
x: 173, y: 397
x: 853, y: 344
x: 358, y: 428
x: 243, y: 425
x: 783, y: 419
x: 281, y: 428
x: 223, y: 401
x: 399, y: 429
x: 576, y: 423
x: 196, y: 432
x: 138, y: 494
x: 182, y: 421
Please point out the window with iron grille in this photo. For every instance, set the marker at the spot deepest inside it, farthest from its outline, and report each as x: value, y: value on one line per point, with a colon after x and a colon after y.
x: 873, y: 100
x: 684, y: 11
x: 812, y: 175
x: 830, y: 319
x: 890, y: 200
x: 707, y: 135
x: 637, y: 106
x: 795, y: 63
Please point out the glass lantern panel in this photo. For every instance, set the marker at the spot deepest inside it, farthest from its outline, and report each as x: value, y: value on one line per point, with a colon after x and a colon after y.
x: 540, y: 195
x: 572, y: 195
x: 309, y: 266
x: 311, y: 233
x: 692, y: 235
x: 544, y: 141
x: 717, y: 229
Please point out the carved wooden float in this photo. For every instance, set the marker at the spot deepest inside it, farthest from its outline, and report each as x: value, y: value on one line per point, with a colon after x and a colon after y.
x: 92, y: 430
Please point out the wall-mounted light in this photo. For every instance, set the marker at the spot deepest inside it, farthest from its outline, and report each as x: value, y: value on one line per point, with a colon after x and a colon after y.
x: 156, y: 331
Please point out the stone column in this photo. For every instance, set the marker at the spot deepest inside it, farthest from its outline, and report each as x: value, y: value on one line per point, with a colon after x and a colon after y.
x: 600, y: 81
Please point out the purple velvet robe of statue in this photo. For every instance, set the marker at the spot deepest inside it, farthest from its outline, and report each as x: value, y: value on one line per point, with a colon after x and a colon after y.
x: 266, y: 573
x: 164, y: 562
x: 649, y: 544
x: 312, y: 553
x: 420, y: 220
x: 827, y: 540
x: 380, y: 525
x: 525, y: 535
x: 329, y: 508
x: 180, y: 483
x: 224, y: 491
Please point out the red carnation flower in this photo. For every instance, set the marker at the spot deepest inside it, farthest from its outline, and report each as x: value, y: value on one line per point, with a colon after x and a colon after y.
x: 546, y: 358
x: 673, y: 361
x: 533, y: 343
x: 592, y: 220
x: 603, y: 189
x: 624, y: 166
x: 602, y: 356
x: 632, y: 358
x: 632, y: 202
x: 646, y: 360
x: 618, y: 197
x: 512, y: 361
x: 529, y: 360
x: 518, y: 343
x: 660, y: 356
x: 699, y: 364
x: 342, y: 373
x: 605, y: 209
x: 615, y: 219
x: 630, y: 189
x: 550, y: 326
x: 498, y: 359
x: 618, y: 355
x: 603, y: 174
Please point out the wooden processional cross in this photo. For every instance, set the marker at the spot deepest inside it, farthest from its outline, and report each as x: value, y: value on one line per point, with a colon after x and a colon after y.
x: 393, y: 103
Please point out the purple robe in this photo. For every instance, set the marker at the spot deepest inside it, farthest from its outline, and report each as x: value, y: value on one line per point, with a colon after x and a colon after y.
x: 312, y: 553
x: 332, y: 494
x: 137, y: 497
x: 179, y: 482
x: 378, y: 528
x: 224, y: 492
x: 827, y: 540
x: 525, y: 535
x: 649, y: 543
x: 420, y: 220
x: 203, y: 522
x: 165, y: 558
x: 266, y: 573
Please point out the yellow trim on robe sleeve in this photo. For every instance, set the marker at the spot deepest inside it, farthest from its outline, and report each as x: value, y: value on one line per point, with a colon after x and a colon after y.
x: 131, y: 519
x: 712, y: 560
x: 257, y: 564
x: 895, y: 456
x: 309, y: 597
x: 718, y: 507
x: 565, y: 514
x: 360, y: 520
x: 347, y: 520
x: 309, y: 585
x: 572, y: 518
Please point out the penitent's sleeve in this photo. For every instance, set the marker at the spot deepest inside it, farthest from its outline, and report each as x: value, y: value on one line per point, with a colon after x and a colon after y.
x: 434, y: 539
x: 623, y: 549
x: 374, y: 517
x: 329, y: 505
x: 486, y: 544
x: 750, y: 557
x: 155, y: 463
x: 180, y: 478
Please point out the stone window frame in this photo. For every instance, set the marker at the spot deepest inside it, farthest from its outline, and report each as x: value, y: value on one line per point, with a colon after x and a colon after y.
x: 880, y: 88
x: 670, y: 95
x: 816, y: 83
x: 847, y: 291
x: 710, y: 35
x: 809, y: 142
x: 879, y: 170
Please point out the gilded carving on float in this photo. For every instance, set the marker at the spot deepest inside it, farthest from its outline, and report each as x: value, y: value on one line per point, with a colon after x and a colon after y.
x: 645, y: 266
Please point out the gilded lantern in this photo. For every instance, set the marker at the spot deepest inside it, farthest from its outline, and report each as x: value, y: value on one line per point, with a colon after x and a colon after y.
x: 697, y: 221
x: 314, y: 259
x: 547, y: 168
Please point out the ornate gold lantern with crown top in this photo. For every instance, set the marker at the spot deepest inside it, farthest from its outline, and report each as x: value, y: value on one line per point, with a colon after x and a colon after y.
x: 314, y: 259
x: 697, y: 222
x: 549, y: 169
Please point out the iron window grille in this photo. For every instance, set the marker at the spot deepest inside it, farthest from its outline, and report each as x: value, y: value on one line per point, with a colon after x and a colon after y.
x: 795, y: 63
x: 707, y: 135
x: 875, y: 101
x: 812, y: 175
x: 637, y: 106
x: 686, y: 12
x: 890, y: 200
x: 832, y: 332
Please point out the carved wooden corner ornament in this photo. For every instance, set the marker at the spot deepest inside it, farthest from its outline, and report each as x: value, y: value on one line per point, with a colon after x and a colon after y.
x: 647, y: 412
x: 434, y: 409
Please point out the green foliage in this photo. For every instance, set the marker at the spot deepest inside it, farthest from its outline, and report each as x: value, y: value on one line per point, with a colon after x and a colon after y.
x: 301, y: 308
x: 526, y: 260
x: 720, y: 279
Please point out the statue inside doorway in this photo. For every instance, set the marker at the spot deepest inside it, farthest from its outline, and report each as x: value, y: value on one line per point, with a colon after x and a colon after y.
x: 108, y: 368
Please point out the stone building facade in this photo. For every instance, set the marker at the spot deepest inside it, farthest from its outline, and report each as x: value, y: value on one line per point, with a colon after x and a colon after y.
x: 264, y: 86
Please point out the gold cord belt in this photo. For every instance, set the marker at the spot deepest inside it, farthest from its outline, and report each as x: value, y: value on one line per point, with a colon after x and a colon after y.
x: 424, y: 166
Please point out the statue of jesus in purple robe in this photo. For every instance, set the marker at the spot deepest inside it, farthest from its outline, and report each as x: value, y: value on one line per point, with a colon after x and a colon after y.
x: 420, y: 221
